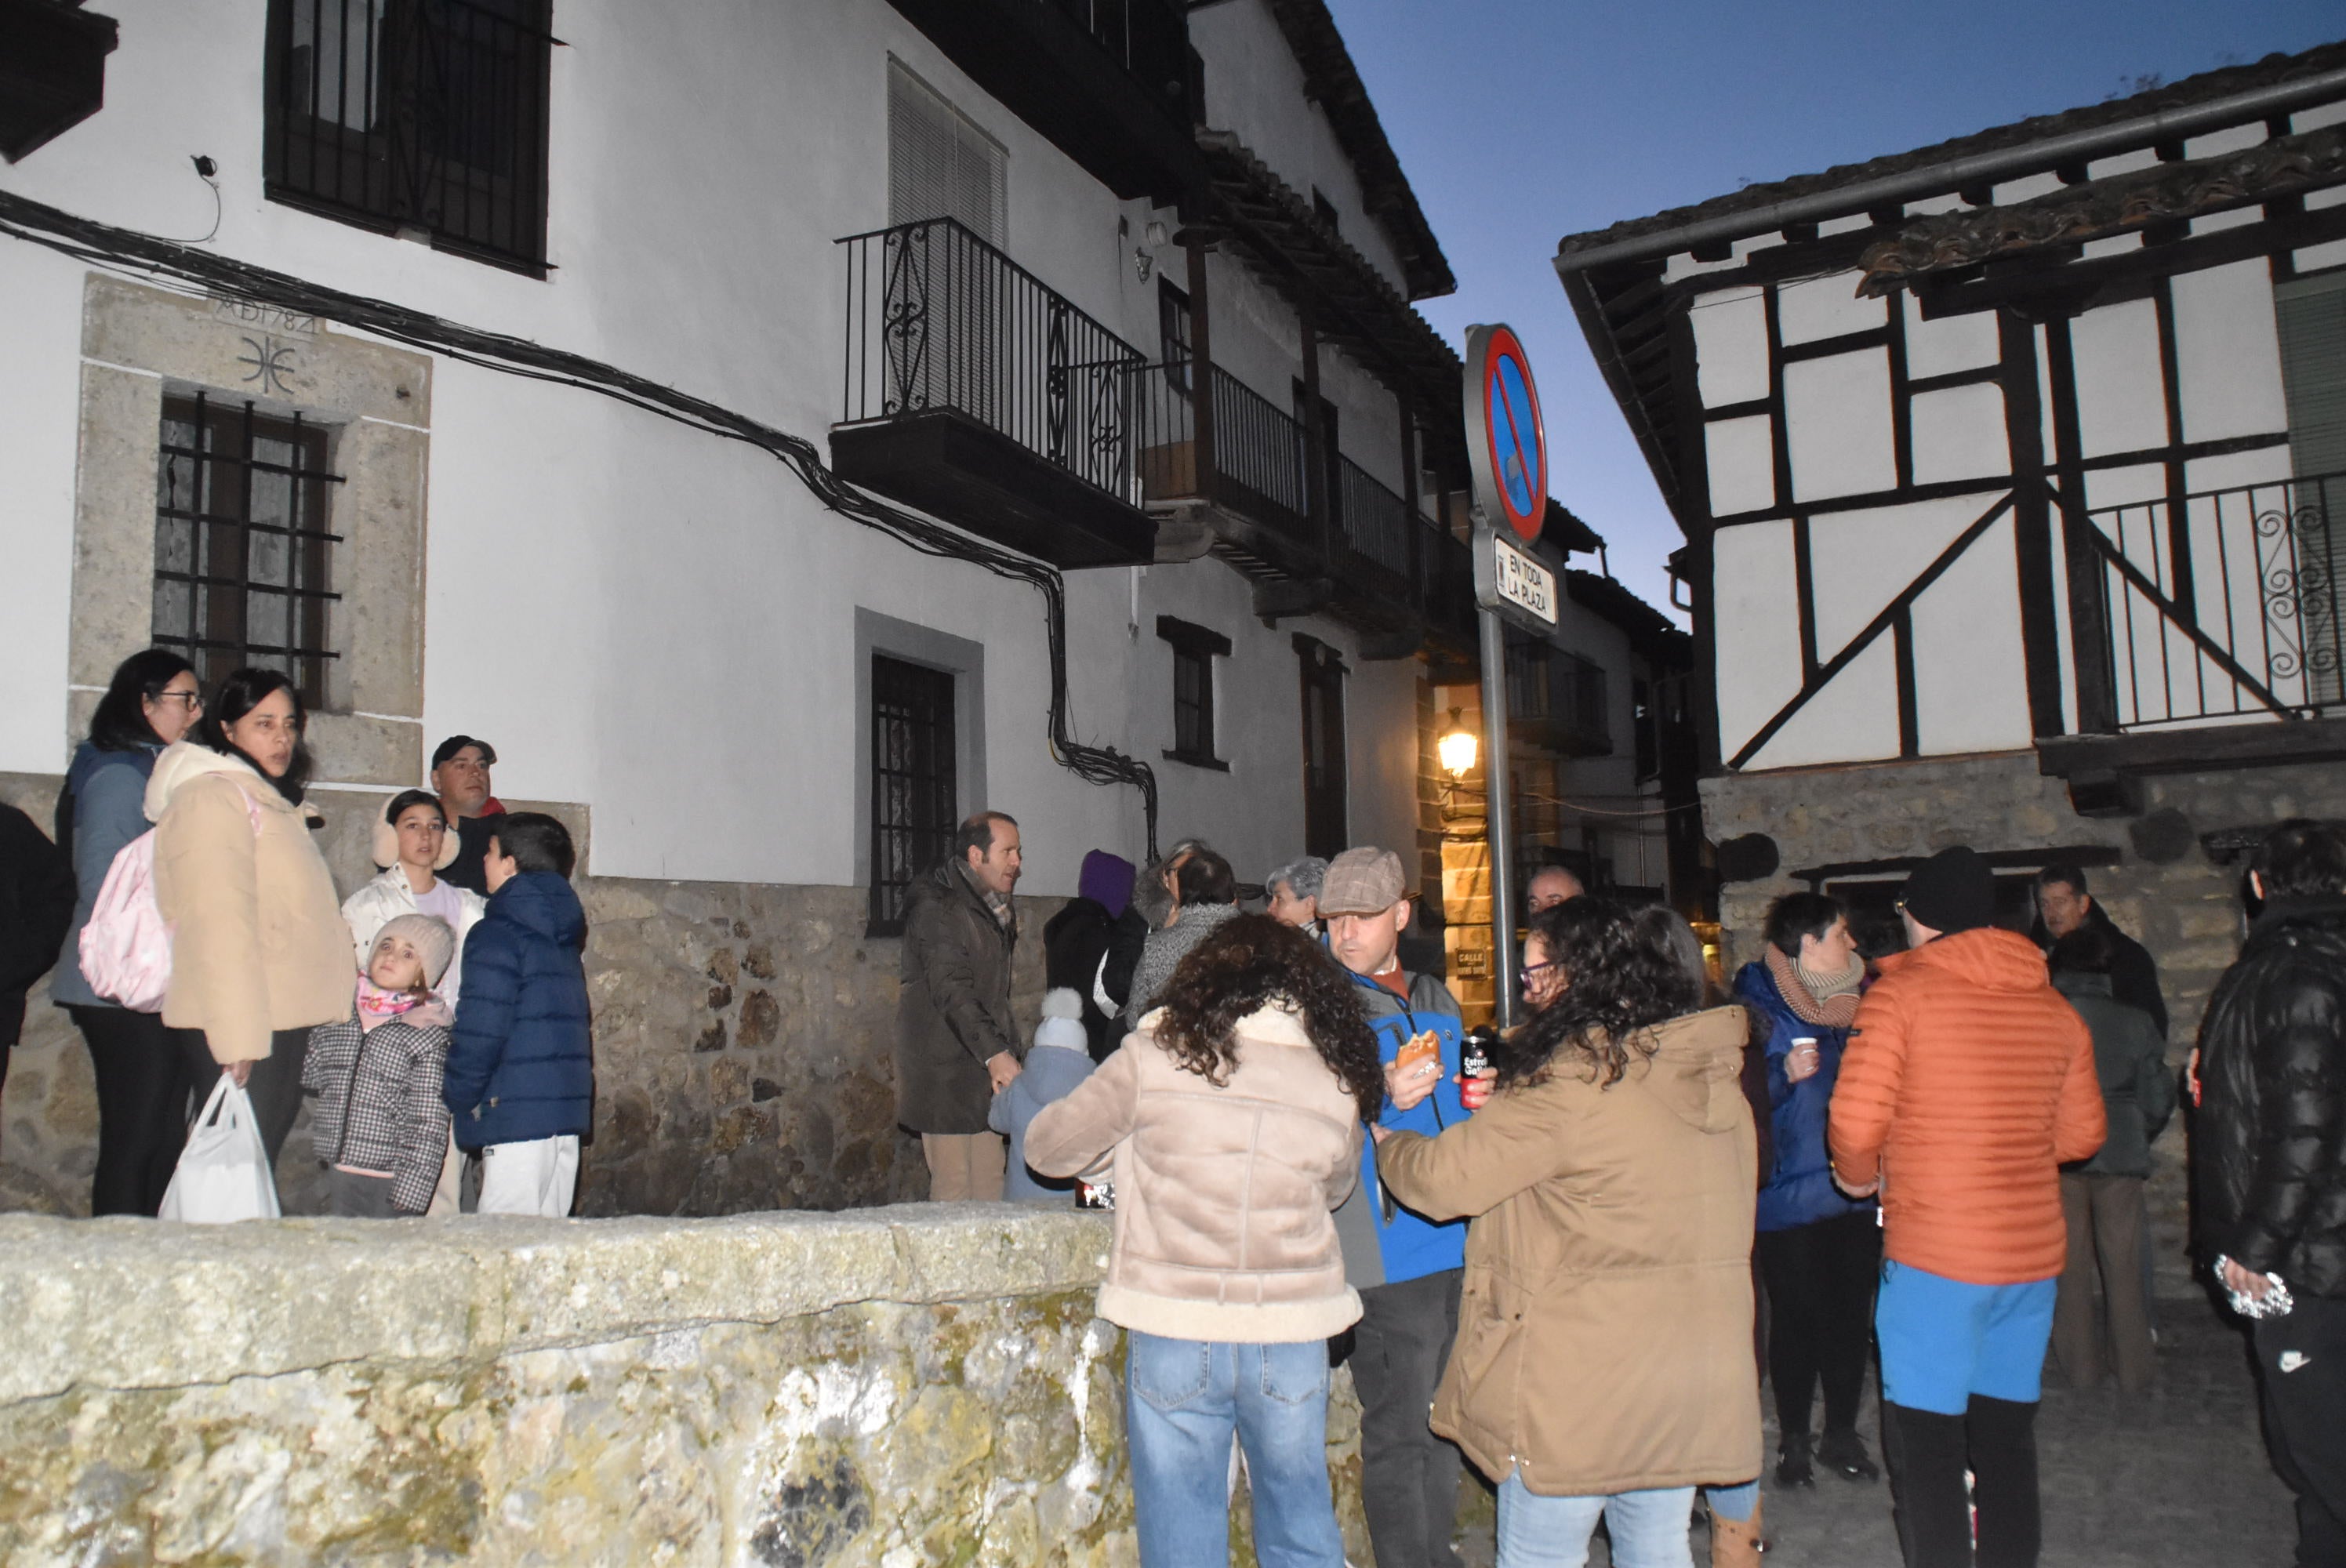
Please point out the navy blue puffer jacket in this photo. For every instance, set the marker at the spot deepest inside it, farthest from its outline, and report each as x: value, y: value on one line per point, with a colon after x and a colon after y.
x: 1800, y: 1190
x: 521, y: 1066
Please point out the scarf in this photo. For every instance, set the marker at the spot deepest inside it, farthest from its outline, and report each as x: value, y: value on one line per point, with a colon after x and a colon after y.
x: 1836, y: 1008
x: 998, y: 905
x: 376, y: 1005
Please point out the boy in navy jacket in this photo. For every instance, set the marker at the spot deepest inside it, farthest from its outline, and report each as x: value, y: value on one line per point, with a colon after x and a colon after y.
x: 520, y: 1079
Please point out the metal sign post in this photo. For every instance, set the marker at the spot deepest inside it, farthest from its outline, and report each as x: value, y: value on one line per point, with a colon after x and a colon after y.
x: 1507, y: 448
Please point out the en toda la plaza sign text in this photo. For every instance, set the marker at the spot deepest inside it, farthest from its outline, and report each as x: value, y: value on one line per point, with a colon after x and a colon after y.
x: 1506, y: 578
x: 1508, y: 446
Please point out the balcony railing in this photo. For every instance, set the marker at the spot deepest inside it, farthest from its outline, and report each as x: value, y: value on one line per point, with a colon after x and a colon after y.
x: 1260, y: 467
x: 2224, y: 605
x: 424, y: 117
x: 939, y: 322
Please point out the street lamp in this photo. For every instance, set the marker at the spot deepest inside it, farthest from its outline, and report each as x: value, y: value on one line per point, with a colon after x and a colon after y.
x: 1457, y: 748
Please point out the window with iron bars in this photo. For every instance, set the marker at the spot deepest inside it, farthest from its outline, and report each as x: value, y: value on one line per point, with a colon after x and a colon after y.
x: 912, y: 782
x: 424, y: 114
x: 243, y: 557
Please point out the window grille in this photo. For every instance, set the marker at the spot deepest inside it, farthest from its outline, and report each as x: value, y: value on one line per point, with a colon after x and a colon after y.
x: 939, y: 164
x: 242, y: 553
x: 427, y: 115
x: 913, y: 787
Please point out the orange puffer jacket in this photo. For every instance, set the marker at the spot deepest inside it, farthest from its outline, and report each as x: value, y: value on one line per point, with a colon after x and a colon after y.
x: 1967, y: 1082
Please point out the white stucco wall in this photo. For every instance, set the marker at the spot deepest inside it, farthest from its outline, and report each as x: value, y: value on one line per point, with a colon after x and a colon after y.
x: 655, y: 622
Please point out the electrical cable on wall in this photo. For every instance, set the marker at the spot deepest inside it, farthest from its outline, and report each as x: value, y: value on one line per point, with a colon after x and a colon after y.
x: 104, y: 245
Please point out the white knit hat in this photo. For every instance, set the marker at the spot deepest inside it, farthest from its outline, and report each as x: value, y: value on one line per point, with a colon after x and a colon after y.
x: 1062, y: 1014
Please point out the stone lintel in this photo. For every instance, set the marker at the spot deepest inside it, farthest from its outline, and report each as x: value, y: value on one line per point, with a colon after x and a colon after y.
x: 137, y: 1304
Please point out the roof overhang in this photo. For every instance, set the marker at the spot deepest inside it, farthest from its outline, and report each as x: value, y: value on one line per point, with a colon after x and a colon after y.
x: 1331, y: 81
x: 1350, y: 303
x: 1614, y: 277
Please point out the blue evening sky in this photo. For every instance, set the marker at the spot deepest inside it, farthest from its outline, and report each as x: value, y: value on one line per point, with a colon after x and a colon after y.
x: 1521, y: 121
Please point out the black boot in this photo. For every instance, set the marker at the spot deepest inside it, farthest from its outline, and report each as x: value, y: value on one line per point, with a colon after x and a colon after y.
x: 1842, y: 1451
x: 1792, y: 1467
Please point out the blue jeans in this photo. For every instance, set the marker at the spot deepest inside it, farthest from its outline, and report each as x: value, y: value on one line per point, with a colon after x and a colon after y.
x: 1649, y: 1528
x: 1184, y: 1398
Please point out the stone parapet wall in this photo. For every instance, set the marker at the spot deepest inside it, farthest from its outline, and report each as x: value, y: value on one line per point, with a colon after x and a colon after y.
x: 744, y: 1046
x: 2165, y: 890
x: 893, y: 1386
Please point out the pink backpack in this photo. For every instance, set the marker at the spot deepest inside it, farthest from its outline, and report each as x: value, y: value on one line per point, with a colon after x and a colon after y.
x: 125, y: 948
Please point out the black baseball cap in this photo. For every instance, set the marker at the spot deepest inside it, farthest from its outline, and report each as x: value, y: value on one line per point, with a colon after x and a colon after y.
x: 455, y: 743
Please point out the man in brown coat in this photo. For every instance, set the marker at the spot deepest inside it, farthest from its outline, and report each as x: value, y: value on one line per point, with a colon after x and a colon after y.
x: 955, y: 1042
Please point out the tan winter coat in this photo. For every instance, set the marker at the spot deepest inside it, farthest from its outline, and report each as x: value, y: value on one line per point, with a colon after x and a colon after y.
x: 257, y: 941
x: 1223, y: 1196
x: 1605, y: 1334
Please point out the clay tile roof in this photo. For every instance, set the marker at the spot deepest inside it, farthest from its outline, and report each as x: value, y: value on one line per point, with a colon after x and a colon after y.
x: 1330, y: 81
x: 2207, y: 84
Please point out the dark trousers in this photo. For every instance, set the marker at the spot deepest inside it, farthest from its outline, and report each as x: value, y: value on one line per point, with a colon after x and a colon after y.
x: 1928, y: 1452
x: 274, y: 1085
x: 2105, y: 1220
x: 1409, y: 1476
x: 1820, y: 1280
x: 357, y: 1196
x: 2305, y: 1421
x: 143, y: 1082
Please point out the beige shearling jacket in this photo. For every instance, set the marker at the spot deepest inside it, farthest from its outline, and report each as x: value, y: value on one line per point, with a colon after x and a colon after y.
x: 1223, y: 1196
x: 258, y: 941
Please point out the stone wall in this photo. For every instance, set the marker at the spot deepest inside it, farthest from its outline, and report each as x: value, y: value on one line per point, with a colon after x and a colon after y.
x: 894, y: 1387
x: 2165, y: 890
x: 744, y: 1039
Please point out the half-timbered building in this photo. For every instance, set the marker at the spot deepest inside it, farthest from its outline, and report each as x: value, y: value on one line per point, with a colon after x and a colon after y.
x: 2008, y: 473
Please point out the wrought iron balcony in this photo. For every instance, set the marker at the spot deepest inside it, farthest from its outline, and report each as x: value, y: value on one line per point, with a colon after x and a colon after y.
x: 1281, y: 514
x: 2224, y: 606
x: 1113, y: 84
x: 978, y: 394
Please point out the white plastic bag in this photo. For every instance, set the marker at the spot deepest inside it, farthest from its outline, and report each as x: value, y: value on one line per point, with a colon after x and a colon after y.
x: 223, y: 1174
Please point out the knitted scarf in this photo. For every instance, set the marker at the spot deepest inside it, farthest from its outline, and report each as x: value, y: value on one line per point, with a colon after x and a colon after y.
x: 1836, y: 1010
x: 376, y: 1005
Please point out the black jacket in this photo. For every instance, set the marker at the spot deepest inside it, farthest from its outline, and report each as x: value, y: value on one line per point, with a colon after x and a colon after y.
x: 2134, y: 973
x: 36, y: 905
x: 1083, y: 946
x: 2270, y: 1144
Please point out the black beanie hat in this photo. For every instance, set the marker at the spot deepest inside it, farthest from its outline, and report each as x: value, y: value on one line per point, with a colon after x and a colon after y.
x: 1953, y: 890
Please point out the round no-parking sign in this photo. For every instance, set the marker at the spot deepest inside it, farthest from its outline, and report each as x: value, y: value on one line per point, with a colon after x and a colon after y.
x: 1505, y: 440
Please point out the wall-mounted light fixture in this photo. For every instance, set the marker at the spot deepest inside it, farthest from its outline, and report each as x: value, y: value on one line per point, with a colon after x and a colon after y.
x: 1458, y: 747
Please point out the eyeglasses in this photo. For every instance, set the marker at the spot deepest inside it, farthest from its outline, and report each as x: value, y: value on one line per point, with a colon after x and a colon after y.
x: 192, y: 699
x: 1525, y: 975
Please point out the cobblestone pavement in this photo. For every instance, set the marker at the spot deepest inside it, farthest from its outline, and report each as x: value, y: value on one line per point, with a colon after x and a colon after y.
x: 2177, y: 1476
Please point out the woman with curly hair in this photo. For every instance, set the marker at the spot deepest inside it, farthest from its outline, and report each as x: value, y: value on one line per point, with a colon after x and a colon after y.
x: 1604, y: 1356
x: 1231, y: 1123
